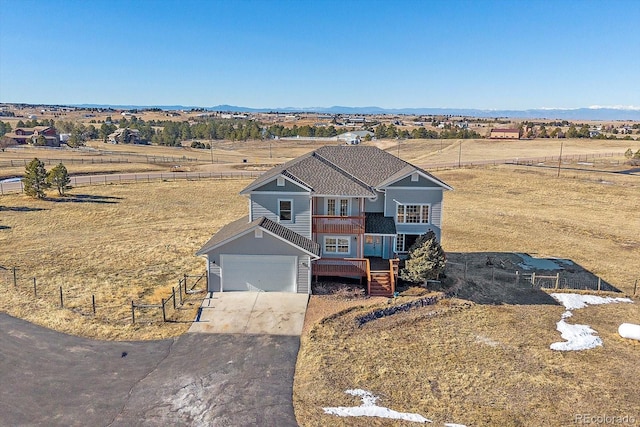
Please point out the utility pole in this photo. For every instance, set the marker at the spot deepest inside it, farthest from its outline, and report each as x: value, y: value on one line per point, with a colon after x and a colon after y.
x: 211, y: 152
x: 560, y: 158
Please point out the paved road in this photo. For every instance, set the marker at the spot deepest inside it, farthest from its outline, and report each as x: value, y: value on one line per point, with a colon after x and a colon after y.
x: 53, y: 379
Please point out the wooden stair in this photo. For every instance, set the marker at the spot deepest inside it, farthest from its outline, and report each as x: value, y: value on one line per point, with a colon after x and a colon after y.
x: 381, y: 284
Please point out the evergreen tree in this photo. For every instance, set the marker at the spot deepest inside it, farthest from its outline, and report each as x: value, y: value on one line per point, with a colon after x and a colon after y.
x: 35, y: 179
x: 59, y: 178
x: 426, y: 260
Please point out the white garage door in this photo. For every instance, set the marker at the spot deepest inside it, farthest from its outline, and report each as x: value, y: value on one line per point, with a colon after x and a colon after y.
x: 276, y: 273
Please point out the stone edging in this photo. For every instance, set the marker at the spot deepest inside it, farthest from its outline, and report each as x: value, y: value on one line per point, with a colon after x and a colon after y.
x: 390, y: 311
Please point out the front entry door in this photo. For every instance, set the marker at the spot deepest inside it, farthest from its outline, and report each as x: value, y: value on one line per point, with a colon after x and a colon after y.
x: 373, y: 245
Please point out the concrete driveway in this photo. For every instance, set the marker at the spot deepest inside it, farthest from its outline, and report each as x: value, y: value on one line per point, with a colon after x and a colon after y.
x: 271, y: 313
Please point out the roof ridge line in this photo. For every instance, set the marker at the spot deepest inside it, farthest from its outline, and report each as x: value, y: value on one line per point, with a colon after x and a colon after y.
x: 342, y: 171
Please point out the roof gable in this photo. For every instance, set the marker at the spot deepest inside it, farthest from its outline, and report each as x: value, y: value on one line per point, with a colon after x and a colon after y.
x: 344, y: 170
x: 242, y: 226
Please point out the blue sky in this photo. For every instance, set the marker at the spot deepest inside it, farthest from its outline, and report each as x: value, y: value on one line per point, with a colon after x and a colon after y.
x: 391, y: 54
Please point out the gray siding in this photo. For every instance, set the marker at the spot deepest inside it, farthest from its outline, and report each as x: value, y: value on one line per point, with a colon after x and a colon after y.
x: 375, y: 206
x: 422, y: 182
x: 267, y: 205
x: 304, y: 268
x: 289, y: 187
x: 248, y: 244
x: 417, y: 196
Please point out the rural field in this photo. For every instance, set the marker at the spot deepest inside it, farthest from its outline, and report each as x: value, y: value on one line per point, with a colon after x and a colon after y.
x: 485, y: 359
x: 475, y: 359
x: 224, y: 156
x: 117, y: 242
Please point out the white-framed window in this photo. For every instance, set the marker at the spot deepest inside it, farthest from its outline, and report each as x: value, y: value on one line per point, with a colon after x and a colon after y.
x: 285, y: 210
x: 337, y: 245
x: 405, y: 241
x: 412, y: 214
x: 338, y: 207
x: 257, y: 233
x: 415, y: 177
x: 280, y: 181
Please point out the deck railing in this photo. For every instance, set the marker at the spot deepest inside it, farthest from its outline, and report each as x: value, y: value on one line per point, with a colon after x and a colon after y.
x: 338, y: 224
x: 346, y: 267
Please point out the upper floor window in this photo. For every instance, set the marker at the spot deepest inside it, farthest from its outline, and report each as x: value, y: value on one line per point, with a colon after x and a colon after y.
x: 413, y: 214
x: 280, y: 181
x: 338, y: 207
x: 285, y: 210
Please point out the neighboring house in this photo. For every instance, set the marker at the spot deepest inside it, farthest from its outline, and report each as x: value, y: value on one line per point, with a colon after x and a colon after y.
x: 338, y: 211
x: 125, y: 136
x: 354, y: 137
x: 505, y: 134
x: 30, y: 135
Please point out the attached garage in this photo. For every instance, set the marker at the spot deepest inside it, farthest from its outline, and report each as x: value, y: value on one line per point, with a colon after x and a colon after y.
x: 270, y: 273
x: 260, y: 255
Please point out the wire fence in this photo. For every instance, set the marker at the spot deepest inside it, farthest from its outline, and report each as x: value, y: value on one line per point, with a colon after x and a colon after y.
x: 170, y: 309
x: 89, y: 180
x: 528, y: 161
x: 559, y: 281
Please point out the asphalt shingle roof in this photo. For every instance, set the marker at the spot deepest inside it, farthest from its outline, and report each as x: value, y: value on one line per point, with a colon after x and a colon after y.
x: 235, y: 228
x: 343, y: 170
x: 377, y: 223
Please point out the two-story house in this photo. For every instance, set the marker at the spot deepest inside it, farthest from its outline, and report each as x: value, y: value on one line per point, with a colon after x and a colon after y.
x: 345, y: 211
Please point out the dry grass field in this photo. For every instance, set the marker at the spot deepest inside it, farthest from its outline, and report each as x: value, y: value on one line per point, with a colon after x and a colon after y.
x: 119, y: 242
x: 487, y: 364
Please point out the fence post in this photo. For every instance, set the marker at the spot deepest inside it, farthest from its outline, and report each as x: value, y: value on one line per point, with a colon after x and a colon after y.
x: 164, y: 313
x: 61, y: 301
x: 35, y: 292
x: 93, y: 303
x: 15, y: 277
x: 599, y: 282
x: 173, y: 294
x: 180, y: 291
x: 557, y: 279
x: 133, y: 313
x: 185, y: 283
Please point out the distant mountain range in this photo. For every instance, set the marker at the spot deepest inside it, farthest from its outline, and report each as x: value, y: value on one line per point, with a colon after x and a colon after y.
x: 591, y: 113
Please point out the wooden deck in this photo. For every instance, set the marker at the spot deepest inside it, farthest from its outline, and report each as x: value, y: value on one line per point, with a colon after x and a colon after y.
x: 380, y: 274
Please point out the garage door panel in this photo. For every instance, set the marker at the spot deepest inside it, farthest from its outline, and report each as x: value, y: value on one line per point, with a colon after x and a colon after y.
x: 259, y: 273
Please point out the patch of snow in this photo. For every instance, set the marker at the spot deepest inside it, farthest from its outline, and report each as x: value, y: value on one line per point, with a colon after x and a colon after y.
x: 529, y: 263
x: 370, y: 409
x: 454, y: 425
x: 8, y: 180
x: 577, y: 301
x: 579, y: 337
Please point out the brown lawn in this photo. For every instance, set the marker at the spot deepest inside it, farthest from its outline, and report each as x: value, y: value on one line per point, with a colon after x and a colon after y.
x: 488, y: 362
